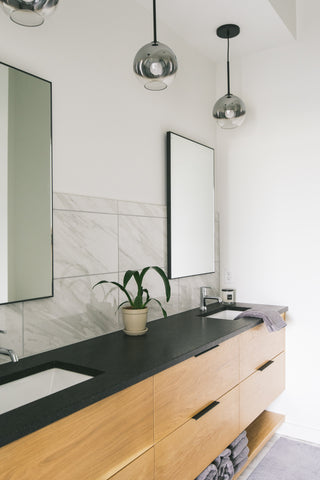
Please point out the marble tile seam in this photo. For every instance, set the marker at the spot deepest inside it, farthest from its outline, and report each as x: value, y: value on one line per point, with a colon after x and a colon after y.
x: 86, y: 275
x: 84, y: 211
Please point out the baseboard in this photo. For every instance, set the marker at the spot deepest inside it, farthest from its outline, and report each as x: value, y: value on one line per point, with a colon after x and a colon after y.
x: 300, y: 432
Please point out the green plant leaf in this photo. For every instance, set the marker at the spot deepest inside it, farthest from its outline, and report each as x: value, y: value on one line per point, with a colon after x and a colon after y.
x: 147, y: 296
x: 127, y: 277
x: 99, y: 283
x: 155, y: 300
x: 119, y: 286
x: 123, y: 303
x: 138, y: 300
x: 165, y: 281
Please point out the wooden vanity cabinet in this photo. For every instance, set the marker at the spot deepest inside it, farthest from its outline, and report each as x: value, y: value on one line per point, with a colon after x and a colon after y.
x: 91, y: 444
x: 262, y: 371
x: 258, y: 346
x: 183, y: 390
x: 244, y: 374
x: 187, y: 451
x: 140, y: 469
x: 170, y: 426
x: 260, y: 389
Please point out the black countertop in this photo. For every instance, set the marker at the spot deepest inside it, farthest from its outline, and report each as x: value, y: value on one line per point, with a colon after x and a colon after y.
x: 118, y: 361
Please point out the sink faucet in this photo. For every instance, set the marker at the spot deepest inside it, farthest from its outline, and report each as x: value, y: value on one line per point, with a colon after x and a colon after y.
x: 6, y: 351
x: 204, y: 296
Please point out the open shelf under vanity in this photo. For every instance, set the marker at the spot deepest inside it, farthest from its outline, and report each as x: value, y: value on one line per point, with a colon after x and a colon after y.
x: 259, y: 433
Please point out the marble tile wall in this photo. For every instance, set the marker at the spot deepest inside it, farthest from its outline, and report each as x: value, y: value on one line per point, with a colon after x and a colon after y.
x: 97, y: 239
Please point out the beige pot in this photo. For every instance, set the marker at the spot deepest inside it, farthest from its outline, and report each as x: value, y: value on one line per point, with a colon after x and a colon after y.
x: 134, y: 320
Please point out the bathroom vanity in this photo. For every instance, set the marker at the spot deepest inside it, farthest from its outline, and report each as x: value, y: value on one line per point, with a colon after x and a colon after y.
x: 161, y: 406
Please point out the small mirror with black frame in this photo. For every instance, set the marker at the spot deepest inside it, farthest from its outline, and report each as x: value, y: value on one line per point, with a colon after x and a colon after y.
x: 26, y: 263
x: 190, y: 201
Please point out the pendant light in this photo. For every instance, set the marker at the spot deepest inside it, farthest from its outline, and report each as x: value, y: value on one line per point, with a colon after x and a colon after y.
x: 28, y: 13
x: 155, y: 64
x: 229, y: 110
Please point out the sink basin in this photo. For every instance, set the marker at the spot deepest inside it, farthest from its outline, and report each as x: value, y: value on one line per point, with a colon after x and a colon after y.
x: 227, y: 314
x: 19, y: 392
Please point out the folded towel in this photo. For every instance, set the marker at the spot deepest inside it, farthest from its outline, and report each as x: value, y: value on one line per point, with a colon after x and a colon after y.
x: 272, y: 319
x: 225, y: 453
x: 213, y: 475
x: 210, y: 470
x: 241, y: 445
x: 217, y: 462
x: 237, y: 440
x: 226, y: 470
x: 239, y: 466
x: 242, y: 455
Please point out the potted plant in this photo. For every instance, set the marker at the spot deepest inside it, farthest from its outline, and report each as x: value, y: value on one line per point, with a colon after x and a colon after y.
x: 135, y: 314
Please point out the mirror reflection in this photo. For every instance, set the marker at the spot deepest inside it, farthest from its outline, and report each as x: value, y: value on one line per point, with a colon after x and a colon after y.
x: 25, y: 186
x: 190, y: 207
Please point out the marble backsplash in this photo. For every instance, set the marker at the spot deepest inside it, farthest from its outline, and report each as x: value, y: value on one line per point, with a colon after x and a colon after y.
x: 97, y: 239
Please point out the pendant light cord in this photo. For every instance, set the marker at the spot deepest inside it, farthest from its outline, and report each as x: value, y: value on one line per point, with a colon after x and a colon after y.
x: 155, y: 41
x: 228, y: 70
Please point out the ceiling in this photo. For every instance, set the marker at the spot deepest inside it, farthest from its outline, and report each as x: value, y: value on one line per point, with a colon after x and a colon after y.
x: 196, y: 22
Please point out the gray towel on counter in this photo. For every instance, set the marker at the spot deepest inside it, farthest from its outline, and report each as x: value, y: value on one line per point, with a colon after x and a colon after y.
x: 239, y: 447
x: 272, y: 319
x: 243, y: 455
x: 237, y: 440
x: 209, y: 473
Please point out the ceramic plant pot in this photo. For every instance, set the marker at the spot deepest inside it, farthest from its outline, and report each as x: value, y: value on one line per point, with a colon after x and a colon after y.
x: 134, y: 320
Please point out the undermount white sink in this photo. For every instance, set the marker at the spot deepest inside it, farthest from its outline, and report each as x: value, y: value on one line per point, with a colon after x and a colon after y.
x: 38, y: 385
x: 227, y: 314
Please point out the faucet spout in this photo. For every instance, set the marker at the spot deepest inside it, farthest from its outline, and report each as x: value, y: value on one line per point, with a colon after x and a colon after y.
x: 204, y: 296
x: 10, y: 353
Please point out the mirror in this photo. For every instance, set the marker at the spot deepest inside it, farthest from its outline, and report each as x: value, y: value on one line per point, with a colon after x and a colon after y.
x: 190, y: 199
x: 25, y: 186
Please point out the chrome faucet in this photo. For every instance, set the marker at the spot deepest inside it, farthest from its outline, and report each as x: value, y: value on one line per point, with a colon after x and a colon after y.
x: 10, y: 353
x: 204, y: 296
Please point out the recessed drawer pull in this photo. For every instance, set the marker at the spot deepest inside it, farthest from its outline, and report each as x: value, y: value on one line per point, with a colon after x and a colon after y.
x: 266, y: 365
x: 205, y: 410
x: 205, y: 351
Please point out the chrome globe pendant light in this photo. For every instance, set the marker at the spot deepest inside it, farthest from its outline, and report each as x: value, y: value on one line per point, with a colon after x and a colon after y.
x: 229, y: 110
x: 155, y: 64
x: 28, y: 13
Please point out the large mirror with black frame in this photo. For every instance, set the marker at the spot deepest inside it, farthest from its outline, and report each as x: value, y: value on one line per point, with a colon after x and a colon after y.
x: 190, y: 200
x: 25, y: 186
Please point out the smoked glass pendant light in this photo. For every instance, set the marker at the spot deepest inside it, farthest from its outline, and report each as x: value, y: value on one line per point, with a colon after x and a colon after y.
x: 29, y: 13
x: 229, y: 110
x: 155, y: 64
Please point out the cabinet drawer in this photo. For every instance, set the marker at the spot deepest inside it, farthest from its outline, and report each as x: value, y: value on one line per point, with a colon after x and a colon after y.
x: 183, y: 390
x: 189, y: 450
x: 257, y: 346
x: 91, y: 444
x: 260, y: 389
x: 140, y: 469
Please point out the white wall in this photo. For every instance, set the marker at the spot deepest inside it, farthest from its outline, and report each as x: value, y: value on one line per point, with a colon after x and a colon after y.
x: 269, y: 197
x: 108, y: 130
x: 287, y: 11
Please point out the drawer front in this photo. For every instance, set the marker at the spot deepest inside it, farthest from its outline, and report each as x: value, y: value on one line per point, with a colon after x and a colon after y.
x: 91, y: 444
x: 257, y: 346
x: 189, y: 450
x: 182, y: 390
x: 260, y: 389
x: 140, y: 469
